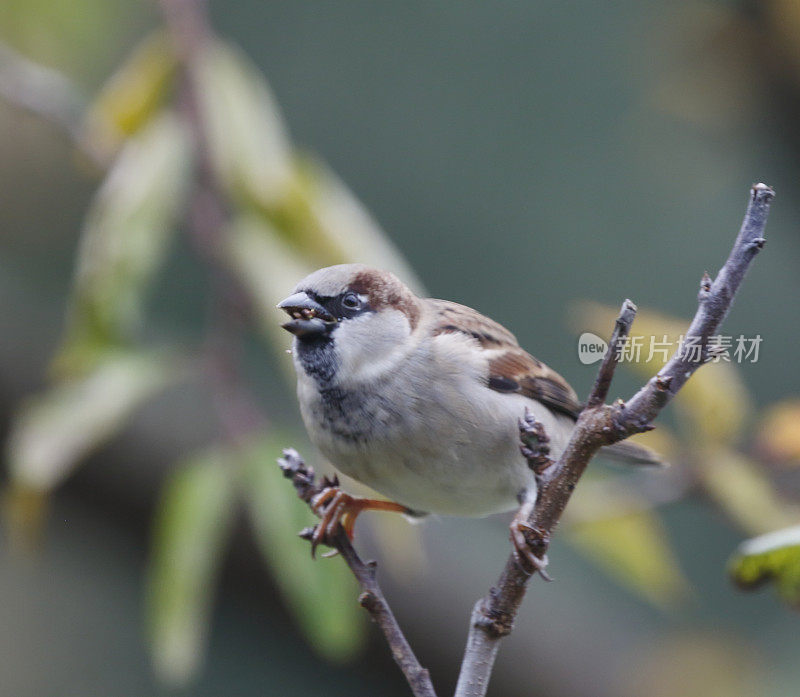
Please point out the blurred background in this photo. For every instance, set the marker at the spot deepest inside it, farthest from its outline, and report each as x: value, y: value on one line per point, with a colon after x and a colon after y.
x: 169, y: 171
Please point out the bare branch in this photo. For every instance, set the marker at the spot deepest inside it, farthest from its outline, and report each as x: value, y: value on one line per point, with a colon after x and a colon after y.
x: 600, y: 424
x: 622, y: 328
x: 371, y: 598
x: 238, y: 411
x: 715, y: 299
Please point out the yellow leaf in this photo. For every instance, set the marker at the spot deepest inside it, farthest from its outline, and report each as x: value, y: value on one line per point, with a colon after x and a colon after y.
x: 294, y: 219
x: 24, y: 513
x: 619, y: 533
x: 132, y: 95
x: 739, y: 486
x: 778, y: 436
x: 268, y: 269
x: 128, y: 227
x: 297, y: 198
x: 248, y: 143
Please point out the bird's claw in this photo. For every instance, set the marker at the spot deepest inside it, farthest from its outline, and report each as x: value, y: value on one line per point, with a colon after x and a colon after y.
x: 535, y: 444
x: 527, y: 541
x: 334, y: 507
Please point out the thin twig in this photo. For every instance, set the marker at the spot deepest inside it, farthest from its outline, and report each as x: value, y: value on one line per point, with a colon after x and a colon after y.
x: 714, y: 301
x: 371, y: 598
x: 600, y: 424
x: 605, y: 374
x: 238, y: 411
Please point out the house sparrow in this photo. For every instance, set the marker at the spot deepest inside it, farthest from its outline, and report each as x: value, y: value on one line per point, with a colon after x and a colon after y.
x: 420, y: 399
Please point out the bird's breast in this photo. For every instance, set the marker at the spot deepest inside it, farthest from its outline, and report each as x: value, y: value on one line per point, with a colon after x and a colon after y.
x: 429, y: 446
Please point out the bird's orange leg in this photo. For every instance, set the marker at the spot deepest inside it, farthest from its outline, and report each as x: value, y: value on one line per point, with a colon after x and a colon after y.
x: 335, y: 507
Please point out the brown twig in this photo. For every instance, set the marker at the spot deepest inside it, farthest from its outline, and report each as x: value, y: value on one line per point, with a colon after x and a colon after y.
x: 238, y: 411
x: 600, y: 424
x: 605, y: 374
x: 371, y: 598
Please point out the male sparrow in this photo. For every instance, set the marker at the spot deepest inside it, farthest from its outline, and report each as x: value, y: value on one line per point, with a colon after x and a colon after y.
x: 420, y: 399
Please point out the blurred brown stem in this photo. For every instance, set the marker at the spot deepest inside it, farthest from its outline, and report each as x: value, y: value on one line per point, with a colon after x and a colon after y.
x: 239, y: 414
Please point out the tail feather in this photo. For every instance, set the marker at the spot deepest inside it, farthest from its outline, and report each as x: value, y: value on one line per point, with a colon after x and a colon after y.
x: 630, y: 453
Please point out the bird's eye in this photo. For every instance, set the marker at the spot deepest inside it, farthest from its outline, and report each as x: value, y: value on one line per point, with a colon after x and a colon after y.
x: 351, y: 301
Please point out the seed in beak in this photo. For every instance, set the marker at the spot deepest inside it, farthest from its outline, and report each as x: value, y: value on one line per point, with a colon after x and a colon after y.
x: 296, y: 315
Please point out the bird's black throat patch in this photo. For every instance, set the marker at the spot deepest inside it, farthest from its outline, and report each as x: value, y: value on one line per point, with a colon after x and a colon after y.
x: 318, y: 357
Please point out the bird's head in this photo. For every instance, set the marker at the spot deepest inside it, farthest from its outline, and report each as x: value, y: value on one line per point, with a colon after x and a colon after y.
x: 358, y: 317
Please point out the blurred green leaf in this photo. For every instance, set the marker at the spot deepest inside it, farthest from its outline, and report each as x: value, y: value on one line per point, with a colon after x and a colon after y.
x: 343, y: 219
x: 267, y: 269
x: 54, y: 430
x: 253, y: 156
x: 622, y: 536
x: 73, y: 36
x: 125, y: 238
x: 133, y: 94
x: 772, y: 557
x: 741, y: 488
x: 322, y: 593
x: 191, y: 526
x: 296, y: 197
x: 245, y: 132
x: 295, y: 219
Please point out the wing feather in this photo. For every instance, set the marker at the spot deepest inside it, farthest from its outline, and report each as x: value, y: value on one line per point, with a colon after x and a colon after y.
x: 511, y: 369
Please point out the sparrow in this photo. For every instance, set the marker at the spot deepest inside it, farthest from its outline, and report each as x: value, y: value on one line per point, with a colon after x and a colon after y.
x: 421, y: 400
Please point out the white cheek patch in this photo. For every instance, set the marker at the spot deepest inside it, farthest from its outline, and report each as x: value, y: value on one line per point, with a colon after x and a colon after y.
x: 370, y: 345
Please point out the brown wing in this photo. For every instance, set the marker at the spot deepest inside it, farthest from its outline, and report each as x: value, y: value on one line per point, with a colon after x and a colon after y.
x: 464, y: 320
x: 514, y: 370
x: 511, y: 369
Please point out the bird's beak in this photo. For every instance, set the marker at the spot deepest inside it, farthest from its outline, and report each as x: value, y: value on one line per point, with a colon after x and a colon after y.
x: 310, y: 319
